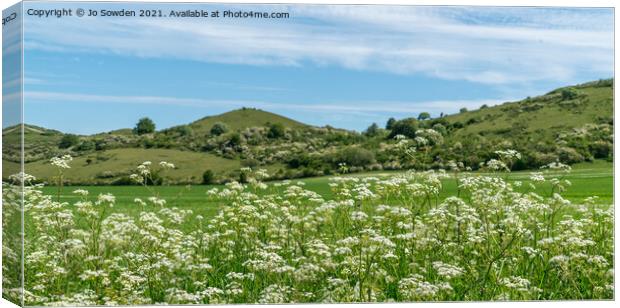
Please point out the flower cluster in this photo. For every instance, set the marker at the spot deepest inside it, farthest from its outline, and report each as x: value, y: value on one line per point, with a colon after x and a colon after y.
x: 373, y: 239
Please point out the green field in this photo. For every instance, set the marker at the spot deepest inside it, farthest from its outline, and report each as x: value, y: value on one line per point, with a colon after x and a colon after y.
x: 588, y: 179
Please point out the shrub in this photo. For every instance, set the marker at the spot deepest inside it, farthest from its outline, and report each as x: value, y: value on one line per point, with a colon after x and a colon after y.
x: 424, y: 116
x: 568, y: 94
x: 208, y: 177
x: 276, y: 131
x: 355, y: 156
x: 218, y: 129
x: 144, y: 126
x: 68, y: 140
x: 601, y: 149
x: 235, y: 139
x: 440, y: 129
x: 390, y: 123
x: 405, y: 127
x: 372, y: 130
x: 86, y: 146
x: 569, y: 155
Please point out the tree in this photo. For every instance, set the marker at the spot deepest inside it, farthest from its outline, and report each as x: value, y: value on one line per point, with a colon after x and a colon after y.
x: 208, y: 177
x: 144, y: 126
x: 424, y: 116
x: 218, y: 129
x: 568, y: 94
x: 68, y: 141
x: 390, y: 123
x: 355, y: 156
x: 463, y: 110
x: 276, y: 131
x: 86, y: 146
x: 372, y: 130
x: 406, y: 127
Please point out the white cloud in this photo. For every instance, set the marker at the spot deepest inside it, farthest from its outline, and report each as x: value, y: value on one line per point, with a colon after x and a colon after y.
x: 483, y: 45
x: 343, y: 107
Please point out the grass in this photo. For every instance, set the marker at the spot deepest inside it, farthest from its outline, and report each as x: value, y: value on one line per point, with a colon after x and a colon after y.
x: 588, y: 179
x: 190, y: 165
x: 243, y: 118
x: 596, y: 102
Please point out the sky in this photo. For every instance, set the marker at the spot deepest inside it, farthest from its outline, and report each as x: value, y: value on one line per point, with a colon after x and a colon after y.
x: 345, y: 66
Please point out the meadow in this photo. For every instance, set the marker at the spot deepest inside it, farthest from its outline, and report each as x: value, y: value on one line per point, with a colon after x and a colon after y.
x: 588, y: 179
x: 436, y: 235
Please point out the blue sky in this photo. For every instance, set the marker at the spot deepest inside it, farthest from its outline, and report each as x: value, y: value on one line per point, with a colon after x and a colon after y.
x: 346, y: 66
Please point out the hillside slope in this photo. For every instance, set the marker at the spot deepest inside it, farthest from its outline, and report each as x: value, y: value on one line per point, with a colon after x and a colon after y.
x: 243, y: 118
x: 571, y: 124
x: 561, y: 109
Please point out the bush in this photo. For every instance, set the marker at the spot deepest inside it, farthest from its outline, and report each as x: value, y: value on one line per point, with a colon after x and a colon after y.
x: 406, y: 127
x: 218, y: 129
x: 68, y: 141
x: 86, y: 146
x: 440, y: 129
x: 424, y: 116
x: 144, y: 126
x: 208, y: 177
x: 601, y: 149
x: 235, y: 139
x: 569, y: 155
x: 276, y: 131
x: 390, y: 123
x: 354, y: 156
x: 372, y: 130
x: 568, y: 94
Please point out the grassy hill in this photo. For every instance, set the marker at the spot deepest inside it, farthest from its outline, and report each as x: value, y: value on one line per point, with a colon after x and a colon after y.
x: 572, y: 124
x: 561, y: 109
x: 37, y: 142
x: 104, y: 166
x: 243, y: 118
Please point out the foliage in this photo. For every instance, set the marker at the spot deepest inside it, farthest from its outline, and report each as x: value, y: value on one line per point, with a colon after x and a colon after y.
x: 208, y: 177
x: 144, y: 126
x: 372, y: 130
x: 219, y: 128
x: 568, y: 94
x: 86, y: 145
x: 68, y: 140
x: 276, y: 130
x: 390, y: 123
x: 354, y: 156
x: 406, y: 127
x: 424, y: 116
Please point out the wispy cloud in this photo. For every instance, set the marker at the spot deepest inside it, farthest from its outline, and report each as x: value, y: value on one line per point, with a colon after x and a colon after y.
x: 384, y: 107
x: 484, y: 45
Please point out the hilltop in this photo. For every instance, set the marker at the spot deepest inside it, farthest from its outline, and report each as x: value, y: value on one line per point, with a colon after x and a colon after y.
x: 241, y: 119
x: 571, y: 124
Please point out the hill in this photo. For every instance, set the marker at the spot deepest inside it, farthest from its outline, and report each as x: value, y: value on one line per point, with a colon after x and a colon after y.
x: 244, y: 118
x: 572, y: 124
x: 38, y: 141
x: 561, y: 109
